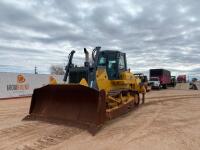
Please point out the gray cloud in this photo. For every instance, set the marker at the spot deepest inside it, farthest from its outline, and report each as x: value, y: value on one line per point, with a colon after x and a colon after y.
x: 154, y: 33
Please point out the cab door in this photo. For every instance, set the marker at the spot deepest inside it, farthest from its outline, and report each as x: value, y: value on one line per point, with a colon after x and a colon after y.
x: 122, y: 63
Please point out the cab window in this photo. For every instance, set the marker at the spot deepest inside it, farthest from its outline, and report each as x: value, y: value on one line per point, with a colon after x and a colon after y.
x: 102, y: 61
x: 121, y: 62
x: 112, y: 64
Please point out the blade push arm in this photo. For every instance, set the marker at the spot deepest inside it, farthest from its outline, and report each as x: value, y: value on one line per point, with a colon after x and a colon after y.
x: 69, y: 65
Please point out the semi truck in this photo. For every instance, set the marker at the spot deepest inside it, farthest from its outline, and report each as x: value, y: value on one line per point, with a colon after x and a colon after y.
x: 159, y: 78
x: 181, y: 79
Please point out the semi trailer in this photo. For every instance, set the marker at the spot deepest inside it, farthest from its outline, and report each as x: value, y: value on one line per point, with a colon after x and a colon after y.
x: 181, y: 79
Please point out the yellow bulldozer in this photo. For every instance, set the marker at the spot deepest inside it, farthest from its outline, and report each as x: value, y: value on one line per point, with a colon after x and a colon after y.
x: 100, y: 90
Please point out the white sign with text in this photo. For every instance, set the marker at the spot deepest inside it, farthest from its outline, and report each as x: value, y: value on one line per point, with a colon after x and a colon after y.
x: 22, y: 84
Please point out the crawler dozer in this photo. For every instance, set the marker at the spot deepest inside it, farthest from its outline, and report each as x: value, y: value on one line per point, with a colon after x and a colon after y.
x: 98, y: 91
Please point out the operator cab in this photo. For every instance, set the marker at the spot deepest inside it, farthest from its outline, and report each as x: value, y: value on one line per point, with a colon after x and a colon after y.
x: 114, y: 62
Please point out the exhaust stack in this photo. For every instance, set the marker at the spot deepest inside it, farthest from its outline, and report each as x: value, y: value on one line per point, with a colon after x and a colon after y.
x: 87, y: 63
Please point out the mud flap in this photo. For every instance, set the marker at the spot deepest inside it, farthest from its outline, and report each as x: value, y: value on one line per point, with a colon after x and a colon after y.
x: 75, y: 103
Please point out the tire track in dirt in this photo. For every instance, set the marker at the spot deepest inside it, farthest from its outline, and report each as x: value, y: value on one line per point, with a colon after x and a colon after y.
x: 169, y: 131
x: 22, y: 133
x: 165, y: 99
x: 172, y: 96
x: 148, y: 121
x: 126, y: 129
x: 54, y: 138
x: 166, y: 129
x: 18, y: 139
x: 185, y: 122
x: 18, y: 129
x: 42, y: 135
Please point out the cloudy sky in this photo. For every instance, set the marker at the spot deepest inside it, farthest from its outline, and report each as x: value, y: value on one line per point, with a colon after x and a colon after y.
x: 153, y: 33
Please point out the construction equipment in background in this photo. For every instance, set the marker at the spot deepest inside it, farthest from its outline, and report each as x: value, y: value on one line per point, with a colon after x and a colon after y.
x: 96, y: 92
x: 181, y: 79
x: 173, y: 82
x: 144, y: 81
x: 195, y: 84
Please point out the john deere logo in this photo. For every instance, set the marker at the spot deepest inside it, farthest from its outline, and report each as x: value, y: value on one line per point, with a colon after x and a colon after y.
x: 20, y: 79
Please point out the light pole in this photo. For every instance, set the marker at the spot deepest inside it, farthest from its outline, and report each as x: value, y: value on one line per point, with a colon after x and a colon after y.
x: 36, y: 70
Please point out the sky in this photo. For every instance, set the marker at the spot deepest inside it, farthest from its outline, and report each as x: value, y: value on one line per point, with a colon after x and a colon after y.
x: 152, y: 33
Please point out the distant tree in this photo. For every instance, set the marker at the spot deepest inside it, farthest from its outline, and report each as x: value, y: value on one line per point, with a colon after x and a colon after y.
x: 57, y: 70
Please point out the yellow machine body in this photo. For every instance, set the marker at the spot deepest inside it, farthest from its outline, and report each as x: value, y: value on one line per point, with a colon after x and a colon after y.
x: 127, y: 90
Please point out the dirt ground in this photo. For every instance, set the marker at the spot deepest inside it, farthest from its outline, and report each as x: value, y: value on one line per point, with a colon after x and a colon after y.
x: 182, y: 86
x: 170, y: 119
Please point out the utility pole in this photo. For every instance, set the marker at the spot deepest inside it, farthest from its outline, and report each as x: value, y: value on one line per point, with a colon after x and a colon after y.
x: 36, y: 70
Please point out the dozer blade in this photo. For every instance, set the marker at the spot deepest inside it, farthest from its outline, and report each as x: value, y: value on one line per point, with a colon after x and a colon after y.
x: 71, y: 103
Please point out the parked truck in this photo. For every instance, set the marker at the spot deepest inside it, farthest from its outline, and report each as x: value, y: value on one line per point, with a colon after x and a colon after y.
x: 159, y: 78
x: 181, y: 79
